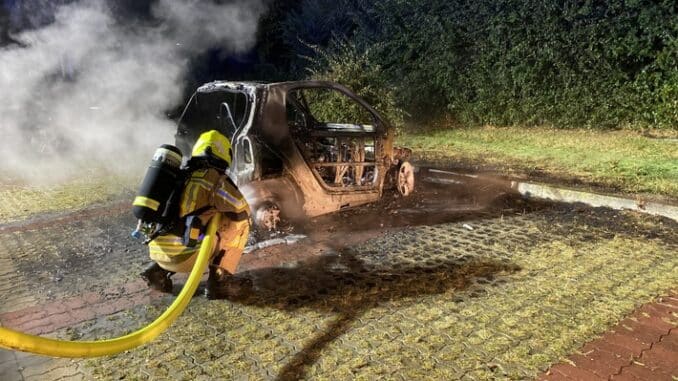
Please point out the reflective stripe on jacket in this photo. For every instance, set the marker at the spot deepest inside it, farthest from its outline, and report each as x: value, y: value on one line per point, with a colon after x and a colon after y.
x: 207, y: 188
x: 205, y: 193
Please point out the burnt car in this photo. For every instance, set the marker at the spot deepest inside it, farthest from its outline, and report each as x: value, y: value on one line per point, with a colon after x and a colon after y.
x: 300, y: 149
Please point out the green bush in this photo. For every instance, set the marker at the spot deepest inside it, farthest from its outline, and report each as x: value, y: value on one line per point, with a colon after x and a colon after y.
x: 312, y: 23
x: 344, y: 64
x: 565, y: 63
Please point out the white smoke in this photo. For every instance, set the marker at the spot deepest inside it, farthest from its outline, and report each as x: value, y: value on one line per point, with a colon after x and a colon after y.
x: 88, y: 91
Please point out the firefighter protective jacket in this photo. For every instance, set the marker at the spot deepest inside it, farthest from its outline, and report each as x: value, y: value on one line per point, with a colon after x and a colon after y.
x: 206, y: 192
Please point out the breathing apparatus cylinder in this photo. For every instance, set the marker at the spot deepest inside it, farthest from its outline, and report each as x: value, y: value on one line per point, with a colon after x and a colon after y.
x: 160, y: 182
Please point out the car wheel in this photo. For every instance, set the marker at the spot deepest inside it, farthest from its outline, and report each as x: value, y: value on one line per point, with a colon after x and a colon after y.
x: 405, y: 179
x: 267, y: 217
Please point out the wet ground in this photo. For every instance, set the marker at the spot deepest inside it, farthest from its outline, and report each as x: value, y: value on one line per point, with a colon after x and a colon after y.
x: 433, y: 159
x: 462, y: 281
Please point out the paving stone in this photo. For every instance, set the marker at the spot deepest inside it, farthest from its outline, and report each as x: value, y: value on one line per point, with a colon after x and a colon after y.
x: 661, y: 358
x: 574, y: 373
x: 669, y: 343
x: 52, y: 373
x: 642, y: 372
x: 643, y: 328
x: 9, y: 369
x: 601, y: 364
x: 626, y: 376
x: 73, y: 377
x: 660, y: 323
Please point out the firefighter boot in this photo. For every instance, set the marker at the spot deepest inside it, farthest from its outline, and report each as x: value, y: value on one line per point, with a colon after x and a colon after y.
x: 158, y: 278
x: 221, y: 285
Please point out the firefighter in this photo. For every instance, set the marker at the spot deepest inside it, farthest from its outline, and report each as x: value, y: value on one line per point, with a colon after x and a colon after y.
x: 207, y: 190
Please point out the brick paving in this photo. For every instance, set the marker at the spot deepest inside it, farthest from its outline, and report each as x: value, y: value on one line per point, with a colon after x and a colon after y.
x: 643, y: 346
x: 506, y: 300
x: 52, y: 260
x: 49, y: 317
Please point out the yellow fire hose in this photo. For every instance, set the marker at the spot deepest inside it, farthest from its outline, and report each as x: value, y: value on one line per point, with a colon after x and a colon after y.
x: 10, y: 339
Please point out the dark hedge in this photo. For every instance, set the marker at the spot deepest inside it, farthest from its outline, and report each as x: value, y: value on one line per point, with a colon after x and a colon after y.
x: 598, y: 64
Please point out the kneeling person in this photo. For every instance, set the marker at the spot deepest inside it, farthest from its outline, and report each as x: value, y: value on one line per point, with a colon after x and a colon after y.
x: 208, y: 190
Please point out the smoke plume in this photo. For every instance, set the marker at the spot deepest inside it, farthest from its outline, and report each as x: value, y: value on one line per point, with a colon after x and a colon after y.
x: 90, y: 90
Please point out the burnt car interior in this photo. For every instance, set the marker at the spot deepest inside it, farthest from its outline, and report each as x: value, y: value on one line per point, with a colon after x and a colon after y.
x: 269, y: 161
x: 337, y: 137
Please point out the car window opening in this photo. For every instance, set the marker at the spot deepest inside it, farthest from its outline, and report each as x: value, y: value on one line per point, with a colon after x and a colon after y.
x: 223, y: 110
x: 336, y: 136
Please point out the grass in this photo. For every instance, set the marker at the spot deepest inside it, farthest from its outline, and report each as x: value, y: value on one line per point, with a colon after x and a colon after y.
x: 18, y: 201
x: 624, y: 161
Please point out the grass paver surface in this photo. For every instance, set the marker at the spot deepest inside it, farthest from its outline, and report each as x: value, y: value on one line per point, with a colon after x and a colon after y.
x: 19, y: 201
x: 503, y: 301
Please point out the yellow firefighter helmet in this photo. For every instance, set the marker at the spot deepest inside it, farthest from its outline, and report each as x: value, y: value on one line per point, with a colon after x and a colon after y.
x: 214, y: 144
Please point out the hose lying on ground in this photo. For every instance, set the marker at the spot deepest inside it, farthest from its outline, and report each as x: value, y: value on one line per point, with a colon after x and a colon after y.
x: 19, y: 341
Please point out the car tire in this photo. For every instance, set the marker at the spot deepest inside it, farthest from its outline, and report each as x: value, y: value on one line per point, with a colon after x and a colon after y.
x: 405, y: 179
x: 267, y: 216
